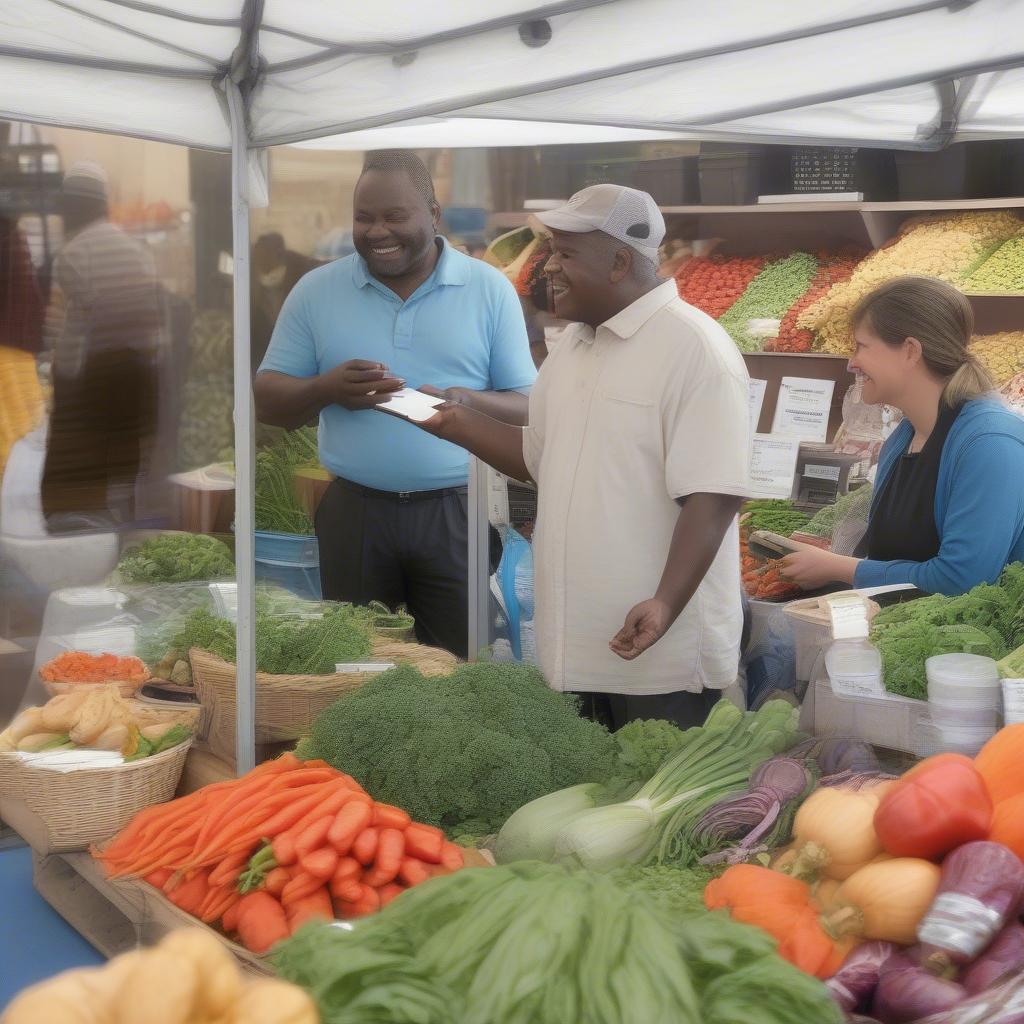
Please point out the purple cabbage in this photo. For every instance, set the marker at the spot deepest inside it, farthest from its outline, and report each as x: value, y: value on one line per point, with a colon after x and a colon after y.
x: 853, y: 985
x: 1003, y: 1004
x: 1004, y: 957
x: 837, y: 755
x: 906, y: 992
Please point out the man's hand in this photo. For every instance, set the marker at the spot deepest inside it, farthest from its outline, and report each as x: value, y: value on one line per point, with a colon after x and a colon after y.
x: 359, y: 384
x: 645, y: 625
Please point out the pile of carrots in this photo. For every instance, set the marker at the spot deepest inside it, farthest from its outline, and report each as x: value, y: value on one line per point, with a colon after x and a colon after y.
x: 763, y: 581
x: 286, y: 843
x: 80, y: 667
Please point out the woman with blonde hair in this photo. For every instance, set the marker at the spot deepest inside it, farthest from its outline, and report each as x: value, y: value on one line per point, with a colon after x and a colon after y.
x: 948, y: 508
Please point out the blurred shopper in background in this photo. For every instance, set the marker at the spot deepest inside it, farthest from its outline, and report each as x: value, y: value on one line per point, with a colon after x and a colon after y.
x: 105, y: 329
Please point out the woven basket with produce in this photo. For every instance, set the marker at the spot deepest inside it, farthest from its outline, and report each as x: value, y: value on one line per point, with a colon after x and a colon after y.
x: 287, y: 704
x: 74, y: 670
x: 75, y: 770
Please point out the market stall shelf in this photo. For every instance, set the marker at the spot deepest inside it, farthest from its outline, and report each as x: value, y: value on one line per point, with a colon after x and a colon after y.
x: 117, y: 916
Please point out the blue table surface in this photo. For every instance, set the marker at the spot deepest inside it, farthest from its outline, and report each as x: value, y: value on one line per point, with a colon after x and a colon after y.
x: 35, y: 941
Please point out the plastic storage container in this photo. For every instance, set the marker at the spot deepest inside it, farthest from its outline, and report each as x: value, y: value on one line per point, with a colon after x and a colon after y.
x: 854, y: 668
x: 964, y: 695
x: 729, y: 175
x: 291, y: 561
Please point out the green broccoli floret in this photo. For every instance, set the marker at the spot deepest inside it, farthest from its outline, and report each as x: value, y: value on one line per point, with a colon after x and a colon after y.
x: 473, y: 746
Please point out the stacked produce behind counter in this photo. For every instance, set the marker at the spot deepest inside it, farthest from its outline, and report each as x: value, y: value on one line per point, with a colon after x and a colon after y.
x: 813, y: 294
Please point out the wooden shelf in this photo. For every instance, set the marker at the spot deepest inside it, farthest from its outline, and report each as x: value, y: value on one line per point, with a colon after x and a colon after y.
x: 906, y: 206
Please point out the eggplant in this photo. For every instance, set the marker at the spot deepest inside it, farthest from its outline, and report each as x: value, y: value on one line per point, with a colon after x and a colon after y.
x: 981, y: 889
x: 906, y: 992
x: 853, y: 985
x: 1004, y: 957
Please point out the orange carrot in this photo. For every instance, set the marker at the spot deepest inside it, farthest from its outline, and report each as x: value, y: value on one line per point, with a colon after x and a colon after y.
x: 227, y: 872
x: 364, y: 849
x: 261, y: 922
x: 316, y: 906
x: 159, y: 877
x: 368, y: 903
x: 452, y: 857
x: 189, y: 895
x: 348, y: 823
x: 320, y: 863
x: 390, y: 892
x: 217, y: 910
x: 388, y: 859
x: 424, y: 842
x: 284, y: 848
x: 276, y: 880
x: 386, y: 816
x: 313, y: 836
x: 413, y: 871
x: 347, y: 872
x: 229, y: 919
x: 348, y: 891
x: 301, y: 885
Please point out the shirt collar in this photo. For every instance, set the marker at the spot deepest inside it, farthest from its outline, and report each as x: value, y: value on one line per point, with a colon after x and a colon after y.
x: 627, y: 322
x: 452, y: 268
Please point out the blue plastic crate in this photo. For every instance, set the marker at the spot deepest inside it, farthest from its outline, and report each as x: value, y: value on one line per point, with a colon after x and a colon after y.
x: 291, y: 561
x: 290, y: 548
x: 301, y: 580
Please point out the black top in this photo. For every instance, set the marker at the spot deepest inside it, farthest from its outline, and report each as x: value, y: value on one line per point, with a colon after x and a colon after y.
x: 902, y: 526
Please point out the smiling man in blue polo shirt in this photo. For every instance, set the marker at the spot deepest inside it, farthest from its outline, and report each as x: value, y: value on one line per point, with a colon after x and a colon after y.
x: 405, y: 310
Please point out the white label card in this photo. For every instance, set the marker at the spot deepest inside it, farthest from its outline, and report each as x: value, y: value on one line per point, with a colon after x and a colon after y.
x: 822, y: 472
x: 803, y: 408
x: 773, y: 465
x: 755, y: 396
x: 411, y: 405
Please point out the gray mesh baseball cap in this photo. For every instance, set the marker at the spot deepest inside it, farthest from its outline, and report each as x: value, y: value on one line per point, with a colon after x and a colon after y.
x: 627, y: 214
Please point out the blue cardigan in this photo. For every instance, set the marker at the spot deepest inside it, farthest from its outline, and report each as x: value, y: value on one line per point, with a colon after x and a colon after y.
x: 979, y: 502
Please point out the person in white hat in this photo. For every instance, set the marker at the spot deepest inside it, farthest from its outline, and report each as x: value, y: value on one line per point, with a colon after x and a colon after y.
x: 104, y: 326
x: 638, y: 440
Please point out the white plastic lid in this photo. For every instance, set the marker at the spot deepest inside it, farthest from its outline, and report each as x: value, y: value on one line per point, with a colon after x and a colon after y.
x: 968, y: 680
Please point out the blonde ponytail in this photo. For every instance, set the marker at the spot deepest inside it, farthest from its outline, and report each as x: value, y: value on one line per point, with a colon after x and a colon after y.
x: 970, y: 381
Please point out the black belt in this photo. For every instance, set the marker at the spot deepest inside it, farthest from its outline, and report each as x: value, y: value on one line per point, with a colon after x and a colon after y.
x: 401, y: 497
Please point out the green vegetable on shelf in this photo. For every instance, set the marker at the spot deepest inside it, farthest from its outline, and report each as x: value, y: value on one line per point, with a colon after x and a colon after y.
x: 277, y: 506
x: 177, y: 558
x: 775, y: 516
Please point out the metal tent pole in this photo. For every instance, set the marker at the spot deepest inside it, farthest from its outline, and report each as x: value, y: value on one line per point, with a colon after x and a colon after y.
x: 245, y: 465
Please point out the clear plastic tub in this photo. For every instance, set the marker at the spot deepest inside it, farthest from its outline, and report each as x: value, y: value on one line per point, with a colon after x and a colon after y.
x: 963, y: 682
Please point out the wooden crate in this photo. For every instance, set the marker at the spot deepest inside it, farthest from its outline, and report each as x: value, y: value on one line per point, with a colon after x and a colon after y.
x: 117, y: 915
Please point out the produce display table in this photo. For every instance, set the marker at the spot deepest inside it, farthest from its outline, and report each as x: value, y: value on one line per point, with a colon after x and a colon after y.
x: 116, y: 916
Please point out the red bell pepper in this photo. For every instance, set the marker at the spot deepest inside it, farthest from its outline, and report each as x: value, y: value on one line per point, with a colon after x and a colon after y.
x: 937, y: 806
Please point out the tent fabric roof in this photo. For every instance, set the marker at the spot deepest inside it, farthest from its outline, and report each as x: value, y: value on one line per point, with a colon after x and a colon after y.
x: 404, y: 72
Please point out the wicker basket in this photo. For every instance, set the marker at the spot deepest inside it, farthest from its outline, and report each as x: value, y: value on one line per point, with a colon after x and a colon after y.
x: 124, y: 686
x: 58, y: 812
x: 287, y: 705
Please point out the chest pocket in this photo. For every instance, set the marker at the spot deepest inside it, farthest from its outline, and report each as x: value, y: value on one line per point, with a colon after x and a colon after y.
x: 629, y: 422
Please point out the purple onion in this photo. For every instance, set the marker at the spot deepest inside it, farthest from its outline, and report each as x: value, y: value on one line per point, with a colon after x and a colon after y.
x: 906, y: 992
x: 1003, y: 957
x: 786, y: 776
x: 836, y: 755
x: 1003, y: 1004
x: 981, y: 889
x: 853, y: 985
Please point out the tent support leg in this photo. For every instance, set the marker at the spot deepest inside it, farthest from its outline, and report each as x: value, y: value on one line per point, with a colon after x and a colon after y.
x: 245, y: 466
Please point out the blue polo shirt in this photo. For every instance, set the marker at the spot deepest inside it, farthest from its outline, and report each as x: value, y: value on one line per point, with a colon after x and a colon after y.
x: 463, y: 327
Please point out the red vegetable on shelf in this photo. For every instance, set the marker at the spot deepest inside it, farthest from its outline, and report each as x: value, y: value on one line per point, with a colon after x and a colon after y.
x: 934, y: 808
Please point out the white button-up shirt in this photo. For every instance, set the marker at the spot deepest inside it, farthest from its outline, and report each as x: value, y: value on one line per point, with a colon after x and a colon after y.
x: 624, y: 421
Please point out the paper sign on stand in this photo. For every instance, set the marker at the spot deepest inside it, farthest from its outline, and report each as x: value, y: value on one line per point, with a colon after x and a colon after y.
x: 755, y: 396
x: 773, y: 465
x: 803, y: 408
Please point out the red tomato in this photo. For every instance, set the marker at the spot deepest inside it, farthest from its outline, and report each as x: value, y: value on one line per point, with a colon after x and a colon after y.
x: 937, y: 806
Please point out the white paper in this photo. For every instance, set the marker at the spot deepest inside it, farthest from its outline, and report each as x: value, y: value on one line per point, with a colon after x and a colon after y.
x: 412, y: 405
x: 773, y: 465
x: 353, y: 668
x: 755, y: 397
x: 849, y: 614
x: 813, y: 472
x: 803, y: 408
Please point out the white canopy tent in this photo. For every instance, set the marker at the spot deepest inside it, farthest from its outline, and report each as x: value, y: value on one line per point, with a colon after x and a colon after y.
x: 241, y: 75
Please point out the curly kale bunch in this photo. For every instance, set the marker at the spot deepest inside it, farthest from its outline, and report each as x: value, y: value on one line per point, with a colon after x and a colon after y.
x: 470, y: 747
x: 177, y: 558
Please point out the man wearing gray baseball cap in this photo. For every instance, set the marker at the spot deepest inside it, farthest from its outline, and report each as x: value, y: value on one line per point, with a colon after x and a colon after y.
x: 638, y: 440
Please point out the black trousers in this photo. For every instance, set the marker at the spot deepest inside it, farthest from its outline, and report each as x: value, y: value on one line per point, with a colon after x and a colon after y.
x: 614, y: 710
x: 412, y: 551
